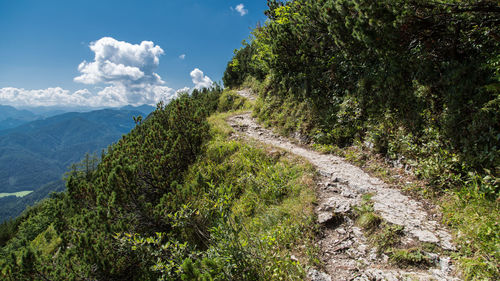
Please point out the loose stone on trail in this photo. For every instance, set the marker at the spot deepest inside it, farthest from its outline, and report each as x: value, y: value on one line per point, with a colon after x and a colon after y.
x: 344, y: 249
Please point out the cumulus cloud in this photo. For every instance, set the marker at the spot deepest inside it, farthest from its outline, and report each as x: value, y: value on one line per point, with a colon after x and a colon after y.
x: 128, y: 69
x: 111, y: 96
x: 183, y: 56
x: 138, y: 95
x: 121, y: 74
x: 200, y: 80
x: 240, y: 8
x: 119, y: 62
x: 51, y: 97
x: 183, y: 90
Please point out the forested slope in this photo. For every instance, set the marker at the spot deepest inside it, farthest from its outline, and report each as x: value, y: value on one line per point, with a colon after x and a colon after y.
x: 39, y: 152
x: 416, y: 81
x: 182, y: 198
x: 11, y: 117
x: 174, y: 199
x: 34, y: 156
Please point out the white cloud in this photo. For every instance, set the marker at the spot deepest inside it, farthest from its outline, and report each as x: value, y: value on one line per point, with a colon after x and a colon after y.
x: 183, y: 56
x: 200, y: 80
x: 183, y: 90
x: 240, y: 8
x: 128, y: 69
x: 119, y: 62
x: 121, y: 74
x: 111, y: 96
x: 51, y: 97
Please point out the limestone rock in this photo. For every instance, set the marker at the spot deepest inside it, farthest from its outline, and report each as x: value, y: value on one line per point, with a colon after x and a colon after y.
x: 315, y: 275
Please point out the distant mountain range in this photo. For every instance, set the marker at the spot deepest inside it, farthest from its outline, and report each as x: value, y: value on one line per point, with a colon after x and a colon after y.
x: 35, y: 154
x: 11, y: 117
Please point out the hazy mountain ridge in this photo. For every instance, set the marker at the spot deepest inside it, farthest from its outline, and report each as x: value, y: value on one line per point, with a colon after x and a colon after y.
x: 11, y: 117
x: 40, y: 151
x: 7, y: 111
x: 35, y: 154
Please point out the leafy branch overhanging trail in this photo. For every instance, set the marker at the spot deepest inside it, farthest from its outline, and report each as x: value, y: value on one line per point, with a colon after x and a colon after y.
x: 344, y: 248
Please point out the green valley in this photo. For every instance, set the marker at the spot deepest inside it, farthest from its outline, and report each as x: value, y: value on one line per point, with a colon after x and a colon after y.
x: 35, y: 155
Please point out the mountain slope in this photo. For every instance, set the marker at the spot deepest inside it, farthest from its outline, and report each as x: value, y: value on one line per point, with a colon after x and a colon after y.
x: 145, y: 109
x: 39, y: 152
x: 182, y: 197
x: 12, y: 206
x: 11, y: 117
x: 416, y: 82
x: 343, y: 189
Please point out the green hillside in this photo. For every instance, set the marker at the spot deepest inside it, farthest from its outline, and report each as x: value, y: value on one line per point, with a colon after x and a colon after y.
x: 41, y: 151
x: 174, y: 199
x: 384, y: 84
x: 416, y: 82
x: 11, y: 117
x: 13, y: 206
x: 35, y: 155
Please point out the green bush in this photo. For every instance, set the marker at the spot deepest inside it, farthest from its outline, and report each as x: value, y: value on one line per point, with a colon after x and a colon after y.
x: 340, y: 71
x: 172, y: 200
x: 230, y: 101
x: 417, y: 81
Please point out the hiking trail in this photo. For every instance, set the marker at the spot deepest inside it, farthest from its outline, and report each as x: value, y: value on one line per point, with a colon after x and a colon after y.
x: 344, y: 247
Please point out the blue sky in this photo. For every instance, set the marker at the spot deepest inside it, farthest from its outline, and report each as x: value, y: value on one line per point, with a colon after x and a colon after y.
x: 43, y: 43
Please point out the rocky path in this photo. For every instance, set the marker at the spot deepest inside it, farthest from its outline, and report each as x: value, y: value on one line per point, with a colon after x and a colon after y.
x: 345, y: 251
x: 247, y: 93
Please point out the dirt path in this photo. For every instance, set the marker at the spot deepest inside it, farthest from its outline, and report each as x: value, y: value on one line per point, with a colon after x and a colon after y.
x: 247, y: 93
x: 345, y: 251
